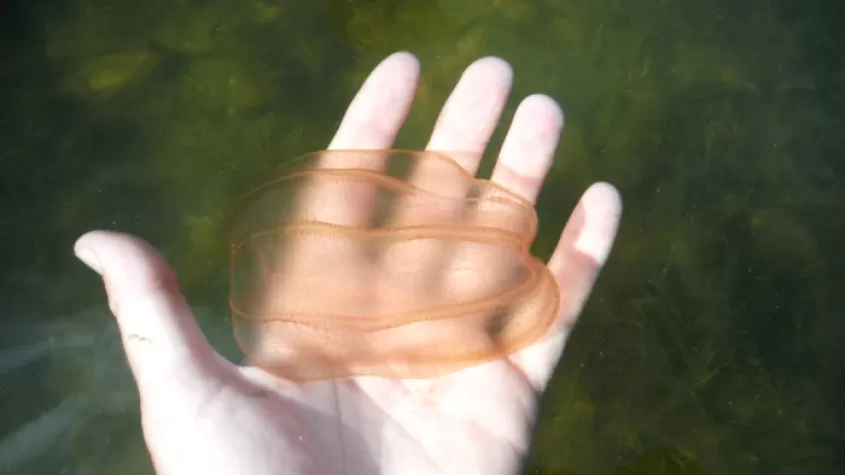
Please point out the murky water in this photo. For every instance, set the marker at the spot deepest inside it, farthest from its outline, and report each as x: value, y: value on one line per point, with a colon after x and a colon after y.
x: 712, y: 343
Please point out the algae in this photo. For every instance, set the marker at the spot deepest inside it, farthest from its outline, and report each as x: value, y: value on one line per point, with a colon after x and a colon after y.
x: 711, y: 344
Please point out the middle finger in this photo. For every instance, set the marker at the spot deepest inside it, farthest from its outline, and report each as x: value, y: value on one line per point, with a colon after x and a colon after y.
x: 472, y: 111
x: 462, y: 131
x: 524, y: 161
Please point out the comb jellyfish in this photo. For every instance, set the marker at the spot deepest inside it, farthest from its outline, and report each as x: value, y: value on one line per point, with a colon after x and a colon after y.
x: 386, y: 263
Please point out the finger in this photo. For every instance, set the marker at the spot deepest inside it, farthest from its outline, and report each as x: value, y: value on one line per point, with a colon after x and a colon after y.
x: 462, y: 132
x: 370, y: 125
x: 582, y: 251
x: 526, y: 157
x: 163, y: 343
x: 472, y: 112
x: 529, y: 148
x: 378, y: 111
x: 371, y: 122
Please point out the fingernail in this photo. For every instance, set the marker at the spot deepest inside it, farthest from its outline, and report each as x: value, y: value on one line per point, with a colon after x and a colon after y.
x: 90, y: 259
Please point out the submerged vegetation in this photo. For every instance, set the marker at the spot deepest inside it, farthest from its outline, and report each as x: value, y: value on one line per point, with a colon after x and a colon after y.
x: 711, y: 344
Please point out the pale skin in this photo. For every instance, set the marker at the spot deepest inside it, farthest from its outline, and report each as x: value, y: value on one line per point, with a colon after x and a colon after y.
x: 203, y: 414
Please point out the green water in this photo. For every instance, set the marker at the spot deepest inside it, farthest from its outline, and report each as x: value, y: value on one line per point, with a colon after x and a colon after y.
x: 712, y: 344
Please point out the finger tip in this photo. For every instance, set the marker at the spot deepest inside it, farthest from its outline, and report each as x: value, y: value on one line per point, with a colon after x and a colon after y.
x: 543, y: 110
x: 492, y: 61
x: 544, y: 103
x: 101, y: 242
x: 605, y: 197
x: 403, y: 60
x: 88, y: 247
x: 602, y: 208
x: 86, y: 241
x: 491, y: 68
x: 403, y: 55
x: 103, y: 250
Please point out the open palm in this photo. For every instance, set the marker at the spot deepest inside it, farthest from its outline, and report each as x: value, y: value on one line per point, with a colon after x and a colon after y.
x: 202, y: 414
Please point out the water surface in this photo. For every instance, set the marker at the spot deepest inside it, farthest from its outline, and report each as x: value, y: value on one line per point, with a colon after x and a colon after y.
x: 712, y: 343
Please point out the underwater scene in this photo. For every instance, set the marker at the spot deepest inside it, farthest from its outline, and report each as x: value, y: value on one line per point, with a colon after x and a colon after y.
x: 712, y: 343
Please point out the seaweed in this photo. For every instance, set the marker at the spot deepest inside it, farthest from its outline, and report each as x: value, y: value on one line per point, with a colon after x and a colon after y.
x: 711, y: 343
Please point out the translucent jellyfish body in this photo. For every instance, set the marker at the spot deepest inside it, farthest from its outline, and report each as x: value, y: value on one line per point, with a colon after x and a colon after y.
x: 387, y: 263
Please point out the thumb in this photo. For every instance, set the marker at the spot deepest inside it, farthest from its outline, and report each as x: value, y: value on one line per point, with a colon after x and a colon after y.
x: 163, y: 343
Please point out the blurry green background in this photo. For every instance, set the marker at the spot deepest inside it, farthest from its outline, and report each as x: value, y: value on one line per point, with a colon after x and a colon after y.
x: 712, y: 344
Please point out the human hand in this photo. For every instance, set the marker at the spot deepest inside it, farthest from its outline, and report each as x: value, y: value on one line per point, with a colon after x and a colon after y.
x: 203, y: 414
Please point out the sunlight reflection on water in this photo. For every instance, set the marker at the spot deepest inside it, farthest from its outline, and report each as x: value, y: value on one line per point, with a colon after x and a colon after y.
x: 87, y: 417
